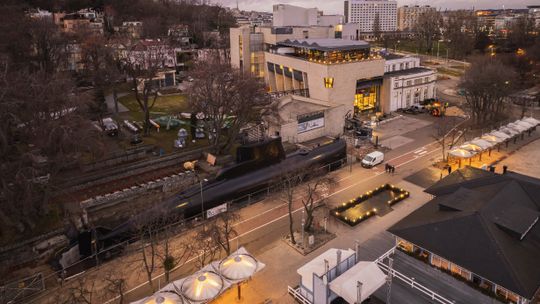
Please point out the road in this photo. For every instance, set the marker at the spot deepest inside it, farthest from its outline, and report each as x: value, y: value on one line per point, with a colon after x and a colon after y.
x: 264, y: 223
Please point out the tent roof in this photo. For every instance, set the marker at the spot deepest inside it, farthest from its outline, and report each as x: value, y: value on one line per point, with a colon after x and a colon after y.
x: 316, y: 266
x: 367, y: 273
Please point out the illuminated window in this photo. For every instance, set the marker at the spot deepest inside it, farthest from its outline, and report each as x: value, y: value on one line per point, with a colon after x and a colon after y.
x: 328, y: 82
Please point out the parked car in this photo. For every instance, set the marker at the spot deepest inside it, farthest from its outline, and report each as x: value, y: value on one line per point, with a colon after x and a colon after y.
x: 372, y: 159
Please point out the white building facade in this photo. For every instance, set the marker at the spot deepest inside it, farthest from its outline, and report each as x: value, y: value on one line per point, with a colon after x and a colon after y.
x: 406, y: 83
x: 365, y: 12
x: 290, y: 15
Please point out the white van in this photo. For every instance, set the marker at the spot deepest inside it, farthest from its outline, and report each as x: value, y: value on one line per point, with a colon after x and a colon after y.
x: 372, y: 159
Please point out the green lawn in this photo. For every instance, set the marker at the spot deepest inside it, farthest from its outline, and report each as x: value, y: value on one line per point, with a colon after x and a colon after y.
x: 164, y: 104
x: 450, y: 72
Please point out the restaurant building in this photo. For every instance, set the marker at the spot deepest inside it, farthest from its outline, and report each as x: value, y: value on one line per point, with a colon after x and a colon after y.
x: 481, y: 228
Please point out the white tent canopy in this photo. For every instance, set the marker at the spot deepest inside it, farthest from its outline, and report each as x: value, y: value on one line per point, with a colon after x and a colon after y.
x: 511, y: 132
x: 531, y: 120
x: 525, y: 124
x: 517, y: 127
x: 461, y: 153
x: 162, y: 297
x: 471, y: 147
x: 484, y: 144
x: 317, y: 265
x: 367, y: 273
x: 238, y: 267
x: 202, y: 286
x: 501, y: 135
x: 492, y: 138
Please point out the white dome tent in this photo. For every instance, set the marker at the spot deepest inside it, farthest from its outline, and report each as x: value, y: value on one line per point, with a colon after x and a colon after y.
x: 202, y: 286
x: 239, y: 267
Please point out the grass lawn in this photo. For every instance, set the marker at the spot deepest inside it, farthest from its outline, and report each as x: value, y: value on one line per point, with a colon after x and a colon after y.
x: 450, y: 72
x: 164, y: 104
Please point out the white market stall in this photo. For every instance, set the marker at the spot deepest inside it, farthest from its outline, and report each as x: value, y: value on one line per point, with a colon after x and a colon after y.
x: 359, y: 282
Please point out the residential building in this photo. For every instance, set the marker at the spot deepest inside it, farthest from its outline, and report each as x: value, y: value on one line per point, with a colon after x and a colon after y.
x: 86, y: 19
x: 132, y: 29
x: 407, y: 16
x: 482, y: 228
x: 365, y: 13
x: 290, y: 15
x: 534, y: 14
x: 406, y: 82
x: 152, y: 52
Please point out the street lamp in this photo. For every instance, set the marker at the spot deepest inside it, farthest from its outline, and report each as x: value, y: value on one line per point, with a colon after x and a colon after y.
x: 438, y: 45
x: 202, y: 199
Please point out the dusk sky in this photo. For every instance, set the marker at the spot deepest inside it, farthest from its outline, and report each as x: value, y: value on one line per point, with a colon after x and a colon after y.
x: 336, y: 6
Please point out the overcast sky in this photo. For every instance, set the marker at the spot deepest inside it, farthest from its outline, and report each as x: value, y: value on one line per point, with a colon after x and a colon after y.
x: 336, y: 6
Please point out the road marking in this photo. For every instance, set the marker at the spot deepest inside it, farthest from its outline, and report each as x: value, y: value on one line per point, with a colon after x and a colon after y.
x: 271, y: 222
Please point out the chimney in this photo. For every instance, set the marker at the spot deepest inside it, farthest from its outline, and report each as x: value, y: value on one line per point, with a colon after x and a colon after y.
x: 505, y: 168
x: 358, y: 292
x: 338, y: 261
x: 357, y: 250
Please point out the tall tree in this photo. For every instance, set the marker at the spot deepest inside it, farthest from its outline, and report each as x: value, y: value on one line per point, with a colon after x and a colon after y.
x: 142, y: 64
x: 229, y: 99
x: 377, y: 27
x: 427, y: 29
x: 460, y: 31
x: 486, y: 84
x: 38, y: 140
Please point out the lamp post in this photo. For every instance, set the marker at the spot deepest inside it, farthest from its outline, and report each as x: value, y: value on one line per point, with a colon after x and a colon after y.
x: 303, y: 223
x: 202, y: 199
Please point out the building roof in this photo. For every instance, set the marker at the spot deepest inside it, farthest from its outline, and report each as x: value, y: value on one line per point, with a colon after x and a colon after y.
x: 367, y: 273
x: 317, y: 265
x: 483, y: 222
x: 406, y: 72
x: 326, y: 44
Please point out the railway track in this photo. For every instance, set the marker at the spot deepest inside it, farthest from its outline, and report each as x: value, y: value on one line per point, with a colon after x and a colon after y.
x: 120, y: 177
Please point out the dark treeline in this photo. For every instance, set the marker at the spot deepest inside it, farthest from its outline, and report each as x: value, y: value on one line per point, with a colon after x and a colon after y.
x: 157, y: 16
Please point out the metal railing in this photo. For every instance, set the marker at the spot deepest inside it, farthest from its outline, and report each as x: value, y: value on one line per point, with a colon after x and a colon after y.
x: 410, y: 281
x: 58, y: 278
x: 297, y: 295
x: 299, y: 92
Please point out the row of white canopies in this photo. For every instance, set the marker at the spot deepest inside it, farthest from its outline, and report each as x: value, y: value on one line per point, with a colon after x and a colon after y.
x: 495, y: 137
x: 209, y: 282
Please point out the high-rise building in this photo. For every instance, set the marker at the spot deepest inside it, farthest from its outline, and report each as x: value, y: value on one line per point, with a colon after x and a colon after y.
x: 408, y: 16
x: 365, y: 13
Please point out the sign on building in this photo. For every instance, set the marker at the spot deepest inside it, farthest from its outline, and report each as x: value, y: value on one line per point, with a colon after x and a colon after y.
x: 311, y: 121
x: 216, y: 210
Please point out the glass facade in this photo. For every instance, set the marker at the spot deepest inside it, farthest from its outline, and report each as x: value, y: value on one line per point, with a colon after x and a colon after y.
x: 366, y: 98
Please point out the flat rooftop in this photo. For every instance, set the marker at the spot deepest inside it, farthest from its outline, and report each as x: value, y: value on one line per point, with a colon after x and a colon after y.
x: 406, y: 72
x: 326, y: 44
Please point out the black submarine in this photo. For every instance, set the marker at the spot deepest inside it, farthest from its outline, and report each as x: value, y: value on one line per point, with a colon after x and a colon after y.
x: 257, y: 167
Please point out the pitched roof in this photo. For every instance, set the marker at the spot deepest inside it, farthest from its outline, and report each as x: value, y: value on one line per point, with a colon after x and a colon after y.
x: 483, y: 222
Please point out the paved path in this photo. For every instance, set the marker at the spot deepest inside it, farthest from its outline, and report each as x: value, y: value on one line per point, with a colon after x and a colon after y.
x: 110, y: 103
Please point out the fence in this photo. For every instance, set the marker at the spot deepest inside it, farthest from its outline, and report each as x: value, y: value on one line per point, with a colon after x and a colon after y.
x: 410, y: 281
x: 297, y: 296
x: 59, y: 277
x: 19, y: 290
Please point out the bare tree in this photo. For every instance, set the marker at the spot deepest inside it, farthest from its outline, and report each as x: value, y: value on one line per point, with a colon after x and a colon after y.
x: 446, y: 130
x: 317, y: 188
x: 115, y: 286
x: 205, y: 247
x: 427, y: 29
x: 460, y: 32
x: 142, y: 64
x: 81, y: 291
x: 377, y: 27
x: 486, y: 84
x: 230, y: 100
x: 174, y: 254
x: 288, y: 183
x: 223, y: 229
x: 37, y: 141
